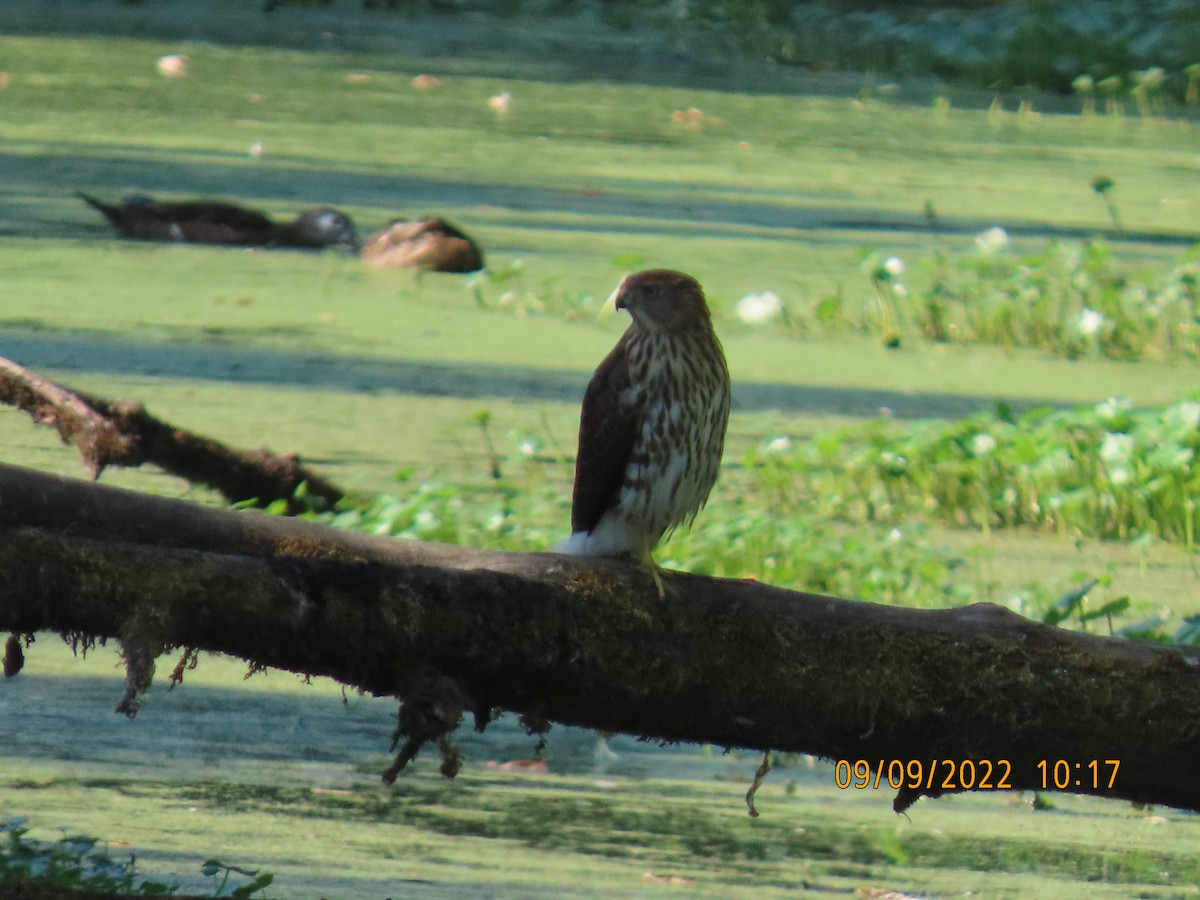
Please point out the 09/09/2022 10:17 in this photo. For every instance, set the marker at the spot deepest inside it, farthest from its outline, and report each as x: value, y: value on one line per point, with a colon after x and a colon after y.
x: 971, y: 774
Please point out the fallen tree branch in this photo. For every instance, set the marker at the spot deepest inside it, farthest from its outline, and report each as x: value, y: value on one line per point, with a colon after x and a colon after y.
x: 108, y: 433
x: 589, y: 643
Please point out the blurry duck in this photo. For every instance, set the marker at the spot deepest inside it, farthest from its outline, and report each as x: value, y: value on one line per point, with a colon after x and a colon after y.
x: 428, y: 243
x: 143, y: 218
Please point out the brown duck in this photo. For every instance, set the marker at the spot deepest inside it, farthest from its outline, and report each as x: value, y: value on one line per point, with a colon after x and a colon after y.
x: 428, y: 243
x: 142, y: 218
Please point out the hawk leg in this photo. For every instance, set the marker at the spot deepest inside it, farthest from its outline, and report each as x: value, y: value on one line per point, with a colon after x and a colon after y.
x: 652, y: 568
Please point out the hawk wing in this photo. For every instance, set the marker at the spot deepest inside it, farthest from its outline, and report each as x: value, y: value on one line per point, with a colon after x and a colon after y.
x: 608, y: 427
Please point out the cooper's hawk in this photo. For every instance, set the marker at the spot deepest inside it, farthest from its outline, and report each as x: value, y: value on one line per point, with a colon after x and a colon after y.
x: 653, y: 423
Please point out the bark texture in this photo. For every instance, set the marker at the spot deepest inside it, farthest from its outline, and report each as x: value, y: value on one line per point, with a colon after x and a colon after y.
x: 109, y: 433
x: 585, y: 642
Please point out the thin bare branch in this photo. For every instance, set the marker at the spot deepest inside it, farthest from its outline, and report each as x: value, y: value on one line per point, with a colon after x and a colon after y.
x: 109, y: 433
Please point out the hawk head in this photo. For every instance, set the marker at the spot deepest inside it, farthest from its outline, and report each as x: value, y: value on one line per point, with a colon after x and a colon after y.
x: 663, y: 300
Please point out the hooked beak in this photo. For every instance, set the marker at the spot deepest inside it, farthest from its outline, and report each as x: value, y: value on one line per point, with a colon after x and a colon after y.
x: 615, y: 301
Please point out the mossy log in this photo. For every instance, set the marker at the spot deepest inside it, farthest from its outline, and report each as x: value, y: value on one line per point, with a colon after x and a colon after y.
x: 585, y: 642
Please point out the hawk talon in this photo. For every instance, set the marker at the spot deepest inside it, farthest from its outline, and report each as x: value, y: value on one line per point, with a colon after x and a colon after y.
x: 657, y: 578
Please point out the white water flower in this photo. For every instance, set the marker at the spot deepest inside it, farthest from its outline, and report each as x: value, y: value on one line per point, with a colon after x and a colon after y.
x: 1183, y: 416
x: 173, y: 65
x: 776, y: 446
x: 754, y: 309
x: 1113, y: 409
x: 1120, y: 475
x: 992, y: 241
x: 500, y: 103
x: 1116, y: 448
x: 1090, y: 322
x: 982, y: 445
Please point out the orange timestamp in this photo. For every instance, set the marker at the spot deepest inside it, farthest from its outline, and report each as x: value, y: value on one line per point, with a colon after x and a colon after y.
x: 971, y: 774
x: 930, y: 774
x: 1063, y: 774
